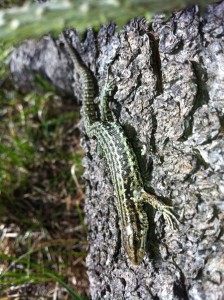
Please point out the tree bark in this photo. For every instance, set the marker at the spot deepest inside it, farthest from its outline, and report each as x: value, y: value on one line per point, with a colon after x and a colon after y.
x: 169, y: 76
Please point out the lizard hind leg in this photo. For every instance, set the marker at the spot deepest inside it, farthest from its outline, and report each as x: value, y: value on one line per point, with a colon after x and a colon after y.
x: 164, y: 209
x: 105, y: 111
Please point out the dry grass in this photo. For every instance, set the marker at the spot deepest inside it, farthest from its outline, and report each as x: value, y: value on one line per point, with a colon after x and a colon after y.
x: 42, y: 230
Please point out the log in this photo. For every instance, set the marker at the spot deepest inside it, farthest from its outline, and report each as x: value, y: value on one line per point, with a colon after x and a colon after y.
x: 169, y: 99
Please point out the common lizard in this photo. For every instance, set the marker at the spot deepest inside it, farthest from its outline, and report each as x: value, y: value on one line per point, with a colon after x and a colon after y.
x: 122, y: 162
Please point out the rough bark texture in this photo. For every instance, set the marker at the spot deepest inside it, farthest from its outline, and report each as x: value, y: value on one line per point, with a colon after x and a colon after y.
x: 169, y: 98
x: 43, y: 59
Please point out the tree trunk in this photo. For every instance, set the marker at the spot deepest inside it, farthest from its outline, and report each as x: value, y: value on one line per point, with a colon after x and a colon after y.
x: 169, y: 99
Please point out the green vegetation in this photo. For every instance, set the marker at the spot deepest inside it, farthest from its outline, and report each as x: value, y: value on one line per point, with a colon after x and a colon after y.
x: 43, y: 233
x: 32, y: 19
x: 31, y: 273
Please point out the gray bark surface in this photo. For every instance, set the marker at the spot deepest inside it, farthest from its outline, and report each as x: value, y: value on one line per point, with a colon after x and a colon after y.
x: 169, y: 77
x: 41, y: 58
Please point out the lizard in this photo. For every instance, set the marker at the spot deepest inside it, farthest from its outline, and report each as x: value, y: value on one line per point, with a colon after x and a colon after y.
x: 122, y: 163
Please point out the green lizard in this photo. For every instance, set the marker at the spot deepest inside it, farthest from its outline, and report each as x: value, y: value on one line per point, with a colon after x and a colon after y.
x: 122, y: 163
